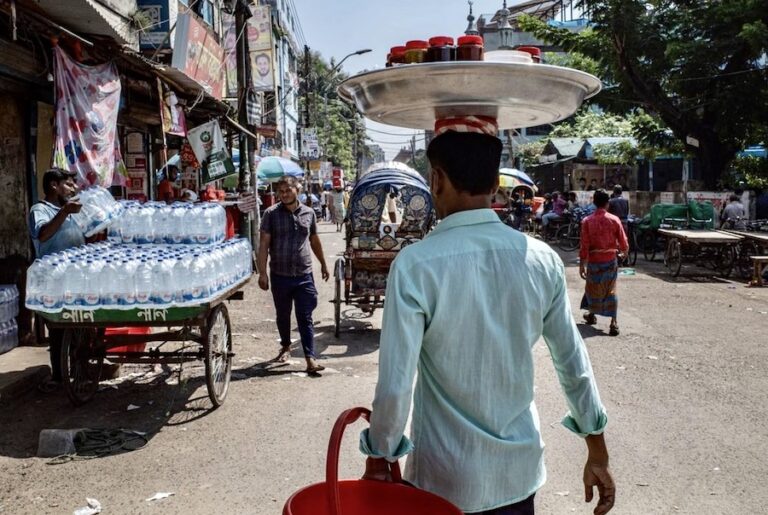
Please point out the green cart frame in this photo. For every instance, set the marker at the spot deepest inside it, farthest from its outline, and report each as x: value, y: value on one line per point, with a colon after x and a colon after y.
x: 85, y: 345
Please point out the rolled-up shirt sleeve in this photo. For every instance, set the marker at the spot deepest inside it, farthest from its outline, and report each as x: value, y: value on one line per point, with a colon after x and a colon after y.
x: 37, y: 220
x: 401, y: 338
x: 586, y: 415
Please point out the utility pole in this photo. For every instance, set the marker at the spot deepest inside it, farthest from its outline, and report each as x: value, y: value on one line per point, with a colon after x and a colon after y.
x: 244, y: 177
x: 413, y: 150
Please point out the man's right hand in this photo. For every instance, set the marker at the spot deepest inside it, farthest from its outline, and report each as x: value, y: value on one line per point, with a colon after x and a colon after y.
x: 72, y: 206
x: 264, y: 282
x: 599, y: 475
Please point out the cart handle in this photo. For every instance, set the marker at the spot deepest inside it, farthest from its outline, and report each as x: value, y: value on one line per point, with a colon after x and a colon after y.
x: 348, y: 417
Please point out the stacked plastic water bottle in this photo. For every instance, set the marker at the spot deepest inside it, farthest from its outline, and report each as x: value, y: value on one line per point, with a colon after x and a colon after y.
x: 9, y: 310
x: 115, y: 276
x: 175, y: 224
x: 99, y: 210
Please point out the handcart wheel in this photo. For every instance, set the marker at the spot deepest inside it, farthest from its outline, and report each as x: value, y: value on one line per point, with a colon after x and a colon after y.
x: 743, y: 263
x: 81, y: 362
x: 218, y: 354
x: 724, y: 260
x: 338, y: 274
x: 673, y: 258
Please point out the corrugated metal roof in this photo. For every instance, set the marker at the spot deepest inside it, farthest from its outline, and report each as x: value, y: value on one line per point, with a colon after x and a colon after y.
x: 566, y: 147
x: 91, y: 17
x: 610, y: 140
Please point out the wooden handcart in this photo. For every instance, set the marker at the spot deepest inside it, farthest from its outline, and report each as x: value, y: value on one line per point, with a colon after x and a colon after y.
x: 204, y: 329
x: 716, y: 249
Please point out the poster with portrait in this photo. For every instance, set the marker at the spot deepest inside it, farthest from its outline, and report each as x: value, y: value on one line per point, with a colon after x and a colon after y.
x: 260, y: 48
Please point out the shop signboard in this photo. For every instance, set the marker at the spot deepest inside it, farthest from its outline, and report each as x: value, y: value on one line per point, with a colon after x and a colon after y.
x: 198, y: 55
x: 160, y: 17
x: 260, y: 48
x: 208, y: 144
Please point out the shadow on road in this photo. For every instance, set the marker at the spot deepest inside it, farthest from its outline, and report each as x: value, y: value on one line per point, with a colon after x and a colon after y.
x: 157, y: 402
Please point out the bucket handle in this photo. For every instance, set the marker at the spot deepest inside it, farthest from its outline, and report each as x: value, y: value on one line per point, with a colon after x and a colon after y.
x: 348, y: 417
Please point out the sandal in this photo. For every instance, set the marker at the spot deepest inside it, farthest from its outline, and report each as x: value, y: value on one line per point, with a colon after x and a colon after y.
x: 614, y: 330
x: 314, y: 370
x: 590, y: 318
x: 285, y: 354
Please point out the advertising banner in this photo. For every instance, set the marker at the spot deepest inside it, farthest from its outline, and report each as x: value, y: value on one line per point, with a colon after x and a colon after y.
x: 208, y: 144
x: 87, y: 102
x: 198, y: 55
x: 229, y: 39
x: 310, y: 147
x: 260, y: 48
x: 160, y: 16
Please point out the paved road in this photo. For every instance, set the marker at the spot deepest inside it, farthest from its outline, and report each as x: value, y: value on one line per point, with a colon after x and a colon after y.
x: 684, y: 386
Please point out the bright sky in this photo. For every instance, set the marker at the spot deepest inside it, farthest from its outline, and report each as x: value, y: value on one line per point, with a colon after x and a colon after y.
x: 338, y: 27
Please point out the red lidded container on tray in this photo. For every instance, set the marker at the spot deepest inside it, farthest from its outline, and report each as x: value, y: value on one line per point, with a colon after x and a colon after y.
x: 470, y: 48
x: 416, y: 51
x: 533, y: 50
x: 397, y: 55
x: 441, y: 49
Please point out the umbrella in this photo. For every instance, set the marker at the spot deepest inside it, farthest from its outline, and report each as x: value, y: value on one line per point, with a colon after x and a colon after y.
x: 271, y: 168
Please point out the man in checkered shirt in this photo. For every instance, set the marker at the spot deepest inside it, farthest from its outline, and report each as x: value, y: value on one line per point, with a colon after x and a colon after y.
x: 288, y: 234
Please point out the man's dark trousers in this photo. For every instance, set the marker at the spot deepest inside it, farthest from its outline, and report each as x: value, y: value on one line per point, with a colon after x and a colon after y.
x: 299, y: 290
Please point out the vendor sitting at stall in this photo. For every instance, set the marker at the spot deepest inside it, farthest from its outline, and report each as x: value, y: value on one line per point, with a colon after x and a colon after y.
x: 53, y: 230
x: 167, y: 190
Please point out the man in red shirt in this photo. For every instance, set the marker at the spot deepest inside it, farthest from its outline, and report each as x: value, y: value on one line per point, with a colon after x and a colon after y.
x: 602, y: 237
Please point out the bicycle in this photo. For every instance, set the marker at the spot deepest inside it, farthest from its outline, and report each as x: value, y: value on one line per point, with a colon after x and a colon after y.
x: 568, y: 236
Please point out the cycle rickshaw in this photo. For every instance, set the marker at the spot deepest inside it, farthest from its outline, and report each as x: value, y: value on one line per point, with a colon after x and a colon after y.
x: 372, y: 241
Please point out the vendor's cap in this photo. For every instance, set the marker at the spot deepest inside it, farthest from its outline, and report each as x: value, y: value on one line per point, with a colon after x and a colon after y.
x: 476, y: 124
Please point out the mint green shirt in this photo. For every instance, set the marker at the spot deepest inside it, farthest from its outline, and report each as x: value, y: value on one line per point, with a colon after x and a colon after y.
x: 465, y: 307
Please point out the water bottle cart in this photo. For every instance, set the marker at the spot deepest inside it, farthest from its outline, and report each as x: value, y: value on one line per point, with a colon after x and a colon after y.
x: 85, y: 345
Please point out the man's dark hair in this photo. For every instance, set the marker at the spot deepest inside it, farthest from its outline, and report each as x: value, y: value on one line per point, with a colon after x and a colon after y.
x: 55, y: 175
x: 735, y: 198
x: 617, y: 189
x: 601, y: 198
x: 290, y: 181
x: 470, y: 160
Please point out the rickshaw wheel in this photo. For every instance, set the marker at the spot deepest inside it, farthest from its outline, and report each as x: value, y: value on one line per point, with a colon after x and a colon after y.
x: 673, y: 258
x: 724, y: 260
x: 81, y: 362
x: 218, y: 354
x: 567, y: 238
x: 339, y: 278
x: 649, y: 245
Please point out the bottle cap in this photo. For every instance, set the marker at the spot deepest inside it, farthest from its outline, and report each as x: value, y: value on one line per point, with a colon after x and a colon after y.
x: 416, y: 44
x: 441, y: 41
x: 470, y: 40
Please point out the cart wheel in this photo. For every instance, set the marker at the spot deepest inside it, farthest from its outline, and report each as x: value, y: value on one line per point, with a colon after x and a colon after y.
x: 744, y: 265
x: 338, y: 275
x: 81, y: 362
x: 673, y: 258
x: 649, y: 241
x: 218, y: 354
x: 724, y: 260
x: 567, y: 238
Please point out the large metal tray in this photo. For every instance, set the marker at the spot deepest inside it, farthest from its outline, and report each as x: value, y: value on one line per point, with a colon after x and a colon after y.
x: 516, y: 94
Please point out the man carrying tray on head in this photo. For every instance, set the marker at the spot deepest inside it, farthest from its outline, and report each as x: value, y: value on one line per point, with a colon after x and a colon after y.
x: 475, y: 431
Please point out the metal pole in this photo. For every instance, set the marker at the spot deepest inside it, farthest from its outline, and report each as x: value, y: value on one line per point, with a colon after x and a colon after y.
x: 244, y: 182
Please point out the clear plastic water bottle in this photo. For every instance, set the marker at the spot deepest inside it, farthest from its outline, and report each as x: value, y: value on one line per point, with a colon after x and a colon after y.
x: 126, y: 286
x: 145, y: 231
x: 54, y: 286
x: 144, y: 286
x: 36, y: 275
x: 109, y: 284
x: 91, y: 292
x: 72, y: 294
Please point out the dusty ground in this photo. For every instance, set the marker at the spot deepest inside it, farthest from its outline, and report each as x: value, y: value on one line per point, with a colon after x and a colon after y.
x: 684, y: 386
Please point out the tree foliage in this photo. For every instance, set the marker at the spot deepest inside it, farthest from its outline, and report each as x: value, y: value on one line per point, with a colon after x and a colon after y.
x: 697, y: 67
x: 341, y: 131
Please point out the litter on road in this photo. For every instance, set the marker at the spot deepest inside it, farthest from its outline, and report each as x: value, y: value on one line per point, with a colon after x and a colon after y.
x: 93, y: 508
x: 159, y: 495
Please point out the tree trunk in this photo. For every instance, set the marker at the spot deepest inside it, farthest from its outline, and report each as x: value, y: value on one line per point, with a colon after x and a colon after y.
x: 714, y: 157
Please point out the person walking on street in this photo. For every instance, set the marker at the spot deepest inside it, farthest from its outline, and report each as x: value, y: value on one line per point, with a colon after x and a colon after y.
x: 618, y: 206
x: 52, y: 230
x: 288, y: 239
x: 339, y: 202
x: 475, y: 428
x: 603, y: 243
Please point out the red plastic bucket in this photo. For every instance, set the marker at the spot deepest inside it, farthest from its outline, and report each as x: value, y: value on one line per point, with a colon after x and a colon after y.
x: 362, y: 497
x: 133, y: 347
